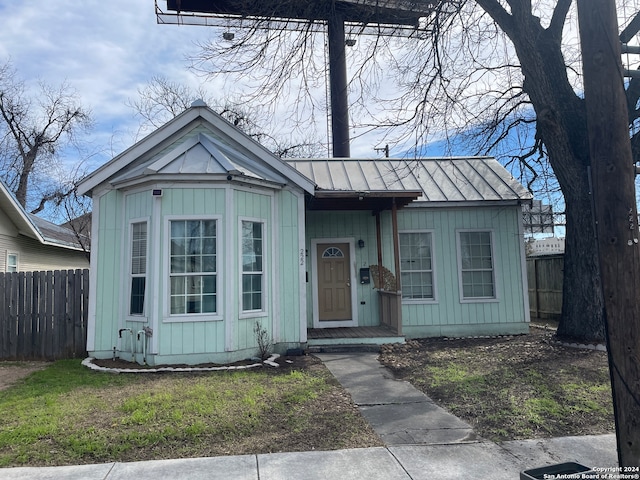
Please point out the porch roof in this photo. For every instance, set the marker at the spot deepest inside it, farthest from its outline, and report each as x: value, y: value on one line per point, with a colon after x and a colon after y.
x: 432, y: 180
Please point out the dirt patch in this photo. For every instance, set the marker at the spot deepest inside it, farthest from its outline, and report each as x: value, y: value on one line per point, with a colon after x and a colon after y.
x: 13, y: 372
x: 509, y: 388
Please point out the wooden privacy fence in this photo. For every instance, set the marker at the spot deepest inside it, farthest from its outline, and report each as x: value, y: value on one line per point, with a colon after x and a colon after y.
x: 545, y: 275
x: 43, y: 315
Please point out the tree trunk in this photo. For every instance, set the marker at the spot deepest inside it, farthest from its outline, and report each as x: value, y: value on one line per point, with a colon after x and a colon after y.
x: 561, y: 123
x: 581, y: 292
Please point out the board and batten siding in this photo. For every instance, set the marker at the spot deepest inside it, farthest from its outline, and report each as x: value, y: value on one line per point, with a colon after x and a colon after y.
x: 357, y: 225
x: 203, y: 339
x: 252, y: 206
x: 199, y: 336
x: 448, y: 316
x: 289, y: 264
x: 106, y: 259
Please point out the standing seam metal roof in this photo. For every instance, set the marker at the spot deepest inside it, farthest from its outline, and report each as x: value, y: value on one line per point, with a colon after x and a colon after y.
x: 440, y: 179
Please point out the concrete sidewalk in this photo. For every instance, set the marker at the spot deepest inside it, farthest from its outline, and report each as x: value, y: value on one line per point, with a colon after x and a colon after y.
x: 463, y: 461
x: 423, y: 442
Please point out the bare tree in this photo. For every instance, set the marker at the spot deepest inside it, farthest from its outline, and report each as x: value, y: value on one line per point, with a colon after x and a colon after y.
x: 34, y: 130
x: 162, y: 99
x: 498, y: 66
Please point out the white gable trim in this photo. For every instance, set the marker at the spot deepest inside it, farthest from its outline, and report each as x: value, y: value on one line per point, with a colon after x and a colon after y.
x: 165, y: 134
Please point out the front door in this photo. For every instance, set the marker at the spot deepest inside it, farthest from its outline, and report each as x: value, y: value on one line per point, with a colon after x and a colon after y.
x: 334, y: 283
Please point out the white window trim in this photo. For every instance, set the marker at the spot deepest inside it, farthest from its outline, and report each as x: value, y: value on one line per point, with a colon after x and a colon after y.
x: 166, y: 284
x: 145, y: 308
x: 12, y: 254
x: 434, y: 276
x: 495, y: 297
x: 263, y: 312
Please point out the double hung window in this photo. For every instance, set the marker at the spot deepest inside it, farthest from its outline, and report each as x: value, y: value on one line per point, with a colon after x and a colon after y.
x: 138, y: 268
x: 477, y: 277
x: 252, y: 239
x: 12, y: 262
x: 193, y: 267
x: 416, y: 266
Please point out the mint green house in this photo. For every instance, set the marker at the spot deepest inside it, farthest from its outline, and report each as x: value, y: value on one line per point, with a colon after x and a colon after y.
x: 199, y: 234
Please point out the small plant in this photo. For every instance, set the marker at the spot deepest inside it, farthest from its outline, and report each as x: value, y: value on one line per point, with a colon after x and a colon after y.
x: 264, y: 342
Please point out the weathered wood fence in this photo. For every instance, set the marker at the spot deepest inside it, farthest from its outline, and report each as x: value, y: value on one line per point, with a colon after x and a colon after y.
x: 545, y: 274
x: 43, y: 315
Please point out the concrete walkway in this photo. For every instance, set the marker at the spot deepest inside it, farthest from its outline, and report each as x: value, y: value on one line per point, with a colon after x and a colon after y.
x: 424, y: 442
x: 399, y: 413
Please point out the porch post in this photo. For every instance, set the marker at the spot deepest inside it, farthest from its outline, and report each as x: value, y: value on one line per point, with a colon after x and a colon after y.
x: 396, y: 245
x: 396, y: 258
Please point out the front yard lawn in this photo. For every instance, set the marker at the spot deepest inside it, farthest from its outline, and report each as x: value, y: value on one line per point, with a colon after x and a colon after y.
x: 67, y: 414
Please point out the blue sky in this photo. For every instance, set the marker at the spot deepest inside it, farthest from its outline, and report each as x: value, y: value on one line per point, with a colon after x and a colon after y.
x: 106, y: 50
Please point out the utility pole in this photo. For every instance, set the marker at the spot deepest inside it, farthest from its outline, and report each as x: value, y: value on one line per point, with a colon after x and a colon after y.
x: 612, y: 173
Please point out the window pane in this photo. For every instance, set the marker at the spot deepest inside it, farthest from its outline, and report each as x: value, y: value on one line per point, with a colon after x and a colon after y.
x: 209, y: 304
x: 178, y: 305
x: 209, y: 245
x: 193, y: 264
x: 178, y: 264
x: 136, y: 306
x: 177, y: 229
x: 209, y: 284
x: 209, y: 228
x: 193, y: 228
x: 209, y: 263
x: 178, y: 286
x: 194, y: 304
x: 178, y: 246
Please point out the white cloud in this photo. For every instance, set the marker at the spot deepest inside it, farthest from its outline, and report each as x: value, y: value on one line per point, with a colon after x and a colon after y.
x: 106, y: 50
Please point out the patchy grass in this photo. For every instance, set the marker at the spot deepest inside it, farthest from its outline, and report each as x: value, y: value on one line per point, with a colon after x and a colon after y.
x: 67, y: 414
x: 511, y: 388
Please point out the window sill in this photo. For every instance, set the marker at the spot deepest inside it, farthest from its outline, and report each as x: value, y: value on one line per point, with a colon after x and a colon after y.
x: 139, y: 319
x: 192, y: 318
x: 252, y: 314
x: 419, y: 301
x: 480, y: 300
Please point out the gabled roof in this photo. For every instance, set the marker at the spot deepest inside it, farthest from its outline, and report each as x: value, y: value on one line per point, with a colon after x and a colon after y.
x: 197, y: 142
x: 31, y: 226
x: 440, y: 180
x: 201, y: 155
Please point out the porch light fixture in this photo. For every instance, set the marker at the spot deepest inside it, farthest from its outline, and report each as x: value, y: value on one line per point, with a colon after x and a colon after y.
x: 361, y: 243
x: 350, y: 42
x: 228, y: 35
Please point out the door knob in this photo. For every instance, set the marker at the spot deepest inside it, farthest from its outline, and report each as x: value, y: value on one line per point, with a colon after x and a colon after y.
x: 348, y: 284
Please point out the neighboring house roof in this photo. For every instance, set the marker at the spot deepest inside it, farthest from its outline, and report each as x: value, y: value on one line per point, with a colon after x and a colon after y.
x: 221, y: 150
x: 440, y: 180
x: 35, y: 227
